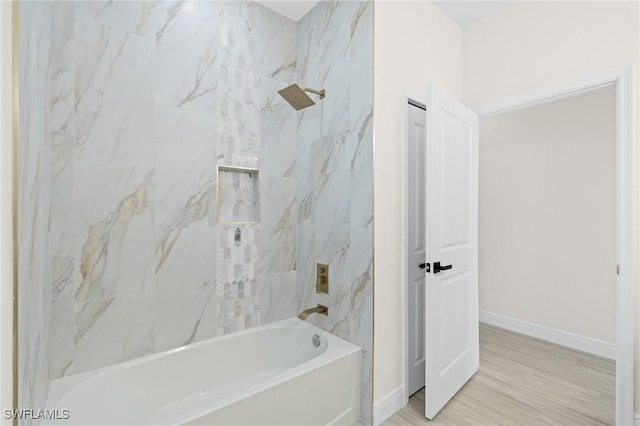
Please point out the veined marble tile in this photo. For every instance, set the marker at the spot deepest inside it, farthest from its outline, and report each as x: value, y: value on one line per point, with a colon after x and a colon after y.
x: 361, y: 138
x: 305, y: 266
x: 101, y: 186
x: 185, y: 305
x: 186, y: 76
x: 324, y: 37
x: 332, y: 214
x: 62, y: 264
x: 362, y: 184
x: 190, y: 264
x: 278, y: 296
x: 33, y: 167
x: 187, y: 50
x: 361, y: 123
x: 179, y: 22
x: 237, y: 296
x: 351, y: 305
x: 334, y: 172
x: 277, y: 250
x: 278, y: 122
x: 63, y: 328
x: 239, y: 36
x: 113, y: 94
x: 185, y: 173
x: 61, y: 235
x: 127, y: 16
x: 184, y: 318
x: 62, y: 122
x: 361, y: 72
x: 305, y: 181
x: 336, y: 104
x: 34, y: 269
x: 310, y: 122
x: 61, y: 95
x: 62, y: 125
x: 361, y: 24
x: 334, y: 153
x: 277, y: 46
x: 238, y: 116
x: 351, y: 270
x: 112, y: 330
x: 33, y: 215
x: 362, y: 198
x: 114, y: 241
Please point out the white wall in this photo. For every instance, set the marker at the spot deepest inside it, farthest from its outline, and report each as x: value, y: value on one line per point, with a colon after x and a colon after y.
x: 6, y: 239
x: 415, y: 44
x: 547, y: 246
x: 527, y: 47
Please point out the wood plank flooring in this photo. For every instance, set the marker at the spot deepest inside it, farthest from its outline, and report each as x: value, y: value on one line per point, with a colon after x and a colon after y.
x: 525, y: 381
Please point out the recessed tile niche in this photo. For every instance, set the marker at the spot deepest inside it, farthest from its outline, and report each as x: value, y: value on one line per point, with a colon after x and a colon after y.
x: 238, y: 195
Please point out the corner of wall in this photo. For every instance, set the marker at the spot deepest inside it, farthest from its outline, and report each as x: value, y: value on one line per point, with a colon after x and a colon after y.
x: 388, y: 404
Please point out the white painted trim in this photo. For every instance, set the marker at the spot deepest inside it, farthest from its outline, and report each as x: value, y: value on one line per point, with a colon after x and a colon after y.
x: 637, y: 420
x: 420, y: 97
x: 628, y: 218
x: 553, y: 335
x: 550, y: 95
x: 6, y: 211
x: 388, y: 404
x: 627, y: 196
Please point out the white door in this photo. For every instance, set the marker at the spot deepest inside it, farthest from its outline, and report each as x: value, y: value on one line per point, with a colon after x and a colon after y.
x: 415, y: 240
x: 451, y: 235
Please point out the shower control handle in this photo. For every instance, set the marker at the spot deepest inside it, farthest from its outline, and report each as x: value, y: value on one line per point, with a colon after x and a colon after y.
x: 437, y: 268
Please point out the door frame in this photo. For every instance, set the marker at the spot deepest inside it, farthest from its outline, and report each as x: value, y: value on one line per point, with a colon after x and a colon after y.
x: 628, y: 219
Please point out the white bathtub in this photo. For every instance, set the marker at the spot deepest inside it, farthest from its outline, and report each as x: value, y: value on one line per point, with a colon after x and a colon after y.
x: 268, y: 375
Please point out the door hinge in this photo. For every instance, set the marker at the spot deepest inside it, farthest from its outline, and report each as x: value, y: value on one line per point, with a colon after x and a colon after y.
x: 617, y: 269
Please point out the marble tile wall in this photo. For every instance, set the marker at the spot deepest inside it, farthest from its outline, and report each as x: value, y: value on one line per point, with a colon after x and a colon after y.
x: 335, y: 177
x: 145, y: 100
x: 151, y: 97
x: 34, y: 269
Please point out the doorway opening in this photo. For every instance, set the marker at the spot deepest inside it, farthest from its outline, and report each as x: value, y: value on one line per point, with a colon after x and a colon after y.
x: 625, y: 230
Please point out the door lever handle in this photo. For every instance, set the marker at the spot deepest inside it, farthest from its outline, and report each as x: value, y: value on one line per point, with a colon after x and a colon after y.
x: 437, y: 268
x: 425, y: 266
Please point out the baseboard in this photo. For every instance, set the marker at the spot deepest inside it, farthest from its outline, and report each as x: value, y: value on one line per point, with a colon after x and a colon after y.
x: 388, y: 404
x: 564, y: 338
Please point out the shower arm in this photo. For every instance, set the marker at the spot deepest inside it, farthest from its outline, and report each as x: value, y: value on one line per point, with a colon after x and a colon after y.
x: 321, y: 93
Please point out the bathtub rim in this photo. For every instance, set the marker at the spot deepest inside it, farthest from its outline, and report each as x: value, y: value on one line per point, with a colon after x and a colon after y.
x: 336, y: 348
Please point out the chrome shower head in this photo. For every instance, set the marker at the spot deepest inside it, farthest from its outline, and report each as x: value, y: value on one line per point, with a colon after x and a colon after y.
x: 296, y: 97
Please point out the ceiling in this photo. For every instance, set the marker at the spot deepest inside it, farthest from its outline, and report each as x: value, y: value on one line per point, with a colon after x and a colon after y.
x: 462, y: 12
x: 291, y: 9
x: 468, y: 12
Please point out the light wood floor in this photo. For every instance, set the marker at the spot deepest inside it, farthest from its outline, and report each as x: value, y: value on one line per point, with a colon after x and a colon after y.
x: 525, y: 381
